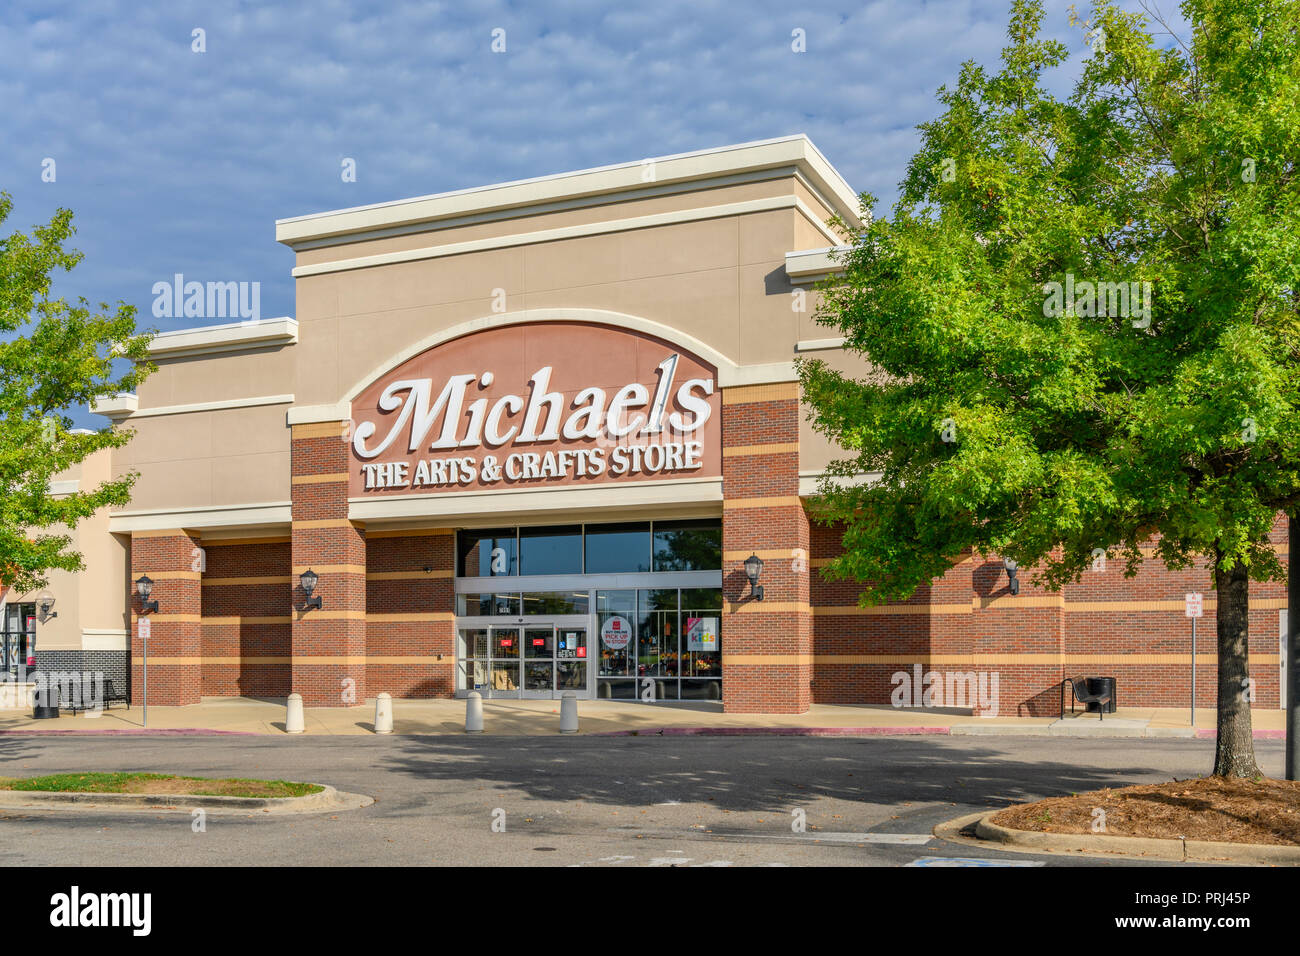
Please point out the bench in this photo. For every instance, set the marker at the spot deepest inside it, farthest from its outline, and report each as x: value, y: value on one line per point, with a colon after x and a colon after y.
x: 111, y: 694
x: 1083, y: 694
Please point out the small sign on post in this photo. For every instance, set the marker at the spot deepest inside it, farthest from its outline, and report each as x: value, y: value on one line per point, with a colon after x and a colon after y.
x: 1194, y: 607
x: 145, y: 628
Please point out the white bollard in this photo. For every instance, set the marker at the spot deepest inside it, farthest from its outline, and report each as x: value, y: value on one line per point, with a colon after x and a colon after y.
x: 474, y: 713
x: 384, y: 714
x: 569, y: 713
x: 293, y: 719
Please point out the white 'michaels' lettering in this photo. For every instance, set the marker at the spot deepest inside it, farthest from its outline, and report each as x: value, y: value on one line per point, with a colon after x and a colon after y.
x: 692, y: 403
x: 544, y: 412
x: 667, y: 369
x: 590, y: 405
x: 554, y: 403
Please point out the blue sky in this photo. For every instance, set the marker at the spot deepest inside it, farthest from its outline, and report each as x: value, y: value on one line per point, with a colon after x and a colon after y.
x: 179, y: 161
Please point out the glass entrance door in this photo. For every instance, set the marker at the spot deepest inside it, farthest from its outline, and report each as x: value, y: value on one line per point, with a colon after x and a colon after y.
x: 539, y: 661
x: 537, y: 657
x: 571, y: 666
x: 503, y: 645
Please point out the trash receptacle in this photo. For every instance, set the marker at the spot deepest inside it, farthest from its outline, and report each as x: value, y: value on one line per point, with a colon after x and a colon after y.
x: 1102, y: 685
x: 45, y: 703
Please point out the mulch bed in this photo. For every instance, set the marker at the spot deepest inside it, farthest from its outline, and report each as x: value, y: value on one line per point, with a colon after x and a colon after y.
x: 1209, y: 808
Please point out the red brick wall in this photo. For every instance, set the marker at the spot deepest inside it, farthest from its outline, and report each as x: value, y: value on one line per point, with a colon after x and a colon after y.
x: 766, y: 645
x: 409, y: 631
x: 967, y: 621
x: 247, y: 618
x: 328, y: 644
x: 172, y: 560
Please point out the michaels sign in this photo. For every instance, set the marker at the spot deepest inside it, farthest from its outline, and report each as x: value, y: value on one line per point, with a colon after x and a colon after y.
x: 562, y: 422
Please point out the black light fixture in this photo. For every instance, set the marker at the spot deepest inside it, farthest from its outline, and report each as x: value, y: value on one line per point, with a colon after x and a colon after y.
x: 754, y: 568
x: 45, y: 607
x: 308, y: 581
x: 144, y: 585
x: 1012, y: 568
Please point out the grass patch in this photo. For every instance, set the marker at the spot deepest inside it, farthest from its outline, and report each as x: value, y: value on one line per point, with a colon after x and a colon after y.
x: 163, y: 783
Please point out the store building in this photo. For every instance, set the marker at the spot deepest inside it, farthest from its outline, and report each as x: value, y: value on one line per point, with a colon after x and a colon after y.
x: 525, y: 437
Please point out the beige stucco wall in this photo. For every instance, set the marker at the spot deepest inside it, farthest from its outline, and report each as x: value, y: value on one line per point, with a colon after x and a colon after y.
x: 91, y: 605
x: 720, y: 280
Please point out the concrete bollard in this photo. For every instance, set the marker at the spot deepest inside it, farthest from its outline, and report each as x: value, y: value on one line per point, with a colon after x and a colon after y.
x: 384, y: 714
x: 474, y: 713
x: 294, y: 723
x: 569, y: 713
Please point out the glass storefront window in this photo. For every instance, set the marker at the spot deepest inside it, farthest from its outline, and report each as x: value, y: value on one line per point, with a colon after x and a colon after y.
x: 482, y: 554
x: 550, y: 550
x: 657, y: 633
x: 616, y: 655
x: 688, y: 545
x: 618, y: 548
x: 701, y: 632
x: 484, y: 605
x: 555, y: 602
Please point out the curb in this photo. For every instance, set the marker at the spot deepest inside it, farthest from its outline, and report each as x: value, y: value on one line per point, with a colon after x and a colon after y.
x: 327, y: 799
x: 131, y: 732
x: 1178, y: 851
x: 776, y: 732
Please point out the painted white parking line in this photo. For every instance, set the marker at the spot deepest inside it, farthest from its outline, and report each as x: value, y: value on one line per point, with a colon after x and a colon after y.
x: 969, y: 861
x: 894, y: 839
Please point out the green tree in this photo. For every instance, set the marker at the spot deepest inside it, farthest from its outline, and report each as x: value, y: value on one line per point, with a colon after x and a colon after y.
x: 54, y: 355
x: 1103, y: 418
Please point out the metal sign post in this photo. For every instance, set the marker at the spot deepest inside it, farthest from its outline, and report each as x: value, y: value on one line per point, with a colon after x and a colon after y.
x: 145, y: 628
x: 1194, y: 607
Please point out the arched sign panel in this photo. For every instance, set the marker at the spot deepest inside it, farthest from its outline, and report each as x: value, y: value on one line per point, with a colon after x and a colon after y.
x: 554, y: 404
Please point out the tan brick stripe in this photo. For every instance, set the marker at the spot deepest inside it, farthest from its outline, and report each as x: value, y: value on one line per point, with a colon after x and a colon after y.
x: 753, y: 660
x: 229, y: 542
x: 1028, y: 659
x: 176, y: 575
x: 768, y: 607
x: 338, y: 476
x: 307, y: 659
x: 409, y: 533
x: 407, y: 575
x: 776, y: 448
x: 781, y: 501
x: 167, y: 533
x: 237, y: 619
x: 324, y: 523
x: 977, y: 603
x: 265, y: 579
x: 747, y: 394
x: 774, y: 554
x: 320, y: 430
x: 412, y: 618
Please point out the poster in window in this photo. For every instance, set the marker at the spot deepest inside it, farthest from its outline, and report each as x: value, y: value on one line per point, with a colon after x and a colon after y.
x: 701, y: 633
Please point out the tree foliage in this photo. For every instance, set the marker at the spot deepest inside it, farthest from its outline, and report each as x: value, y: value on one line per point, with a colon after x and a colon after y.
x: 54, y: 355
x: 1002, y: 416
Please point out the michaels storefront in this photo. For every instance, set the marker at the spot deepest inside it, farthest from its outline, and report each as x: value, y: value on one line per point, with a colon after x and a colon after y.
x: 612, y: 609
x: 622, y: 610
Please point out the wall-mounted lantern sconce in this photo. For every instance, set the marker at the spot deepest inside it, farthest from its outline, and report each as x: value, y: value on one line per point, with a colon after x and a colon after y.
x: 144, y: 586
x: 45, y: 607
x: 1012, y: 568
x: 754, y: 568
x: 308, y: 581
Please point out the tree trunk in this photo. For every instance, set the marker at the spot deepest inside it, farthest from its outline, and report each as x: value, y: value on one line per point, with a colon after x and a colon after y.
x: 1235, y: 753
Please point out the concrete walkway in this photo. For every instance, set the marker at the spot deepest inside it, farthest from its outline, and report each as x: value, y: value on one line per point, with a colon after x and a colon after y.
x: 542, y: 717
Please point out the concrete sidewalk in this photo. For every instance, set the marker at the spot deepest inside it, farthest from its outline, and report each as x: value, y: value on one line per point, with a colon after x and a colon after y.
x: 220, y: 715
